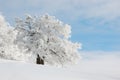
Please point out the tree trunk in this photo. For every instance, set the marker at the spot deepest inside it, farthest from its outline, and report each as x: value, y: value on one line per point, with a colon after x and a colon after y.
x: 39, y: 60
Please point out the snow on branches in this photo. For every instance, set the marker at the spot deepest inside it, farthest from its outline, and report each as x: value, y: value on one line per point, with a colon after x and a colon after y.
x: 45, y: 37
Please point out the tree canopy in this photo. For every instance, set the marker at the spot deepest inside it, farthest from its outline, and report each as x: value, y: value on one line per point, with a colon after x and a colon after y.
x: 45, y: 36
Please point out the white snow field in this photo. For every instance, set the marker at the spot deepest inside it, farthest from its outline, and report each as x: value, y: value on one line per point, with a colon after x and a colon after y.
x: 93, y: 67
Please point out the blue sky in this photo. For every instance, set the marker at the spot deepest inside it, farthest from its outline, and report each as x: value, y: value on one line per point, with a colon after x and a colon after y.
x: 95, y: 23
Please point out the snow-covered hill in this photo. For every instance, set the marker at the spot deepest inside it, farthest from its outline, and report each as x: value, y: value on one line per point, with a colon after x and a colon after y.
x: 97, y: 68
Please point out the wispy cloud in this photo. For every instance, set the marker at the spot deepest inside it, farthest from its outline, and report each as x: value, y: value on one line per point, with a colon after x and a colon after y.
x: 106, y: 10
x: 85, y: 8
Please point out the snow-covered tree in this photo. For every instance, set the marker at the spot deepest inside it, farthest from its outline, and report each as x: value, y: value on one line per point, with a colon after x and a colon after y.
x: 48, y: 38
x: 8, y: 48
x: 7, y: 36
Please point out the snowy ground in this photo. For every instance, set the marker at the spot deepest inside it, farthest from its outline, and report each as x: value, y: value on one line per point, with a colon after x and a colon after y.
x: 97, y: 67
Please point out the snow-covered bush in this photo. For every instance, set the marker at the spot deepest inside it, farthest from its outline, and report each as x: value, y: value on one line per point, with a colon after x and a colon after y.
x: 7, y: 36
x: 45, y: 37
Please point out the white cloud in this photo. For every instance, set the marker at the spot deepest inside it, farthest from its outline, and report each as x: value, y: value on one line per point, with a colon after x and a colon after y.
x: 87, y: 8
x: 70, y: 10
x: 73, y: 8
x: 100, y: 54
